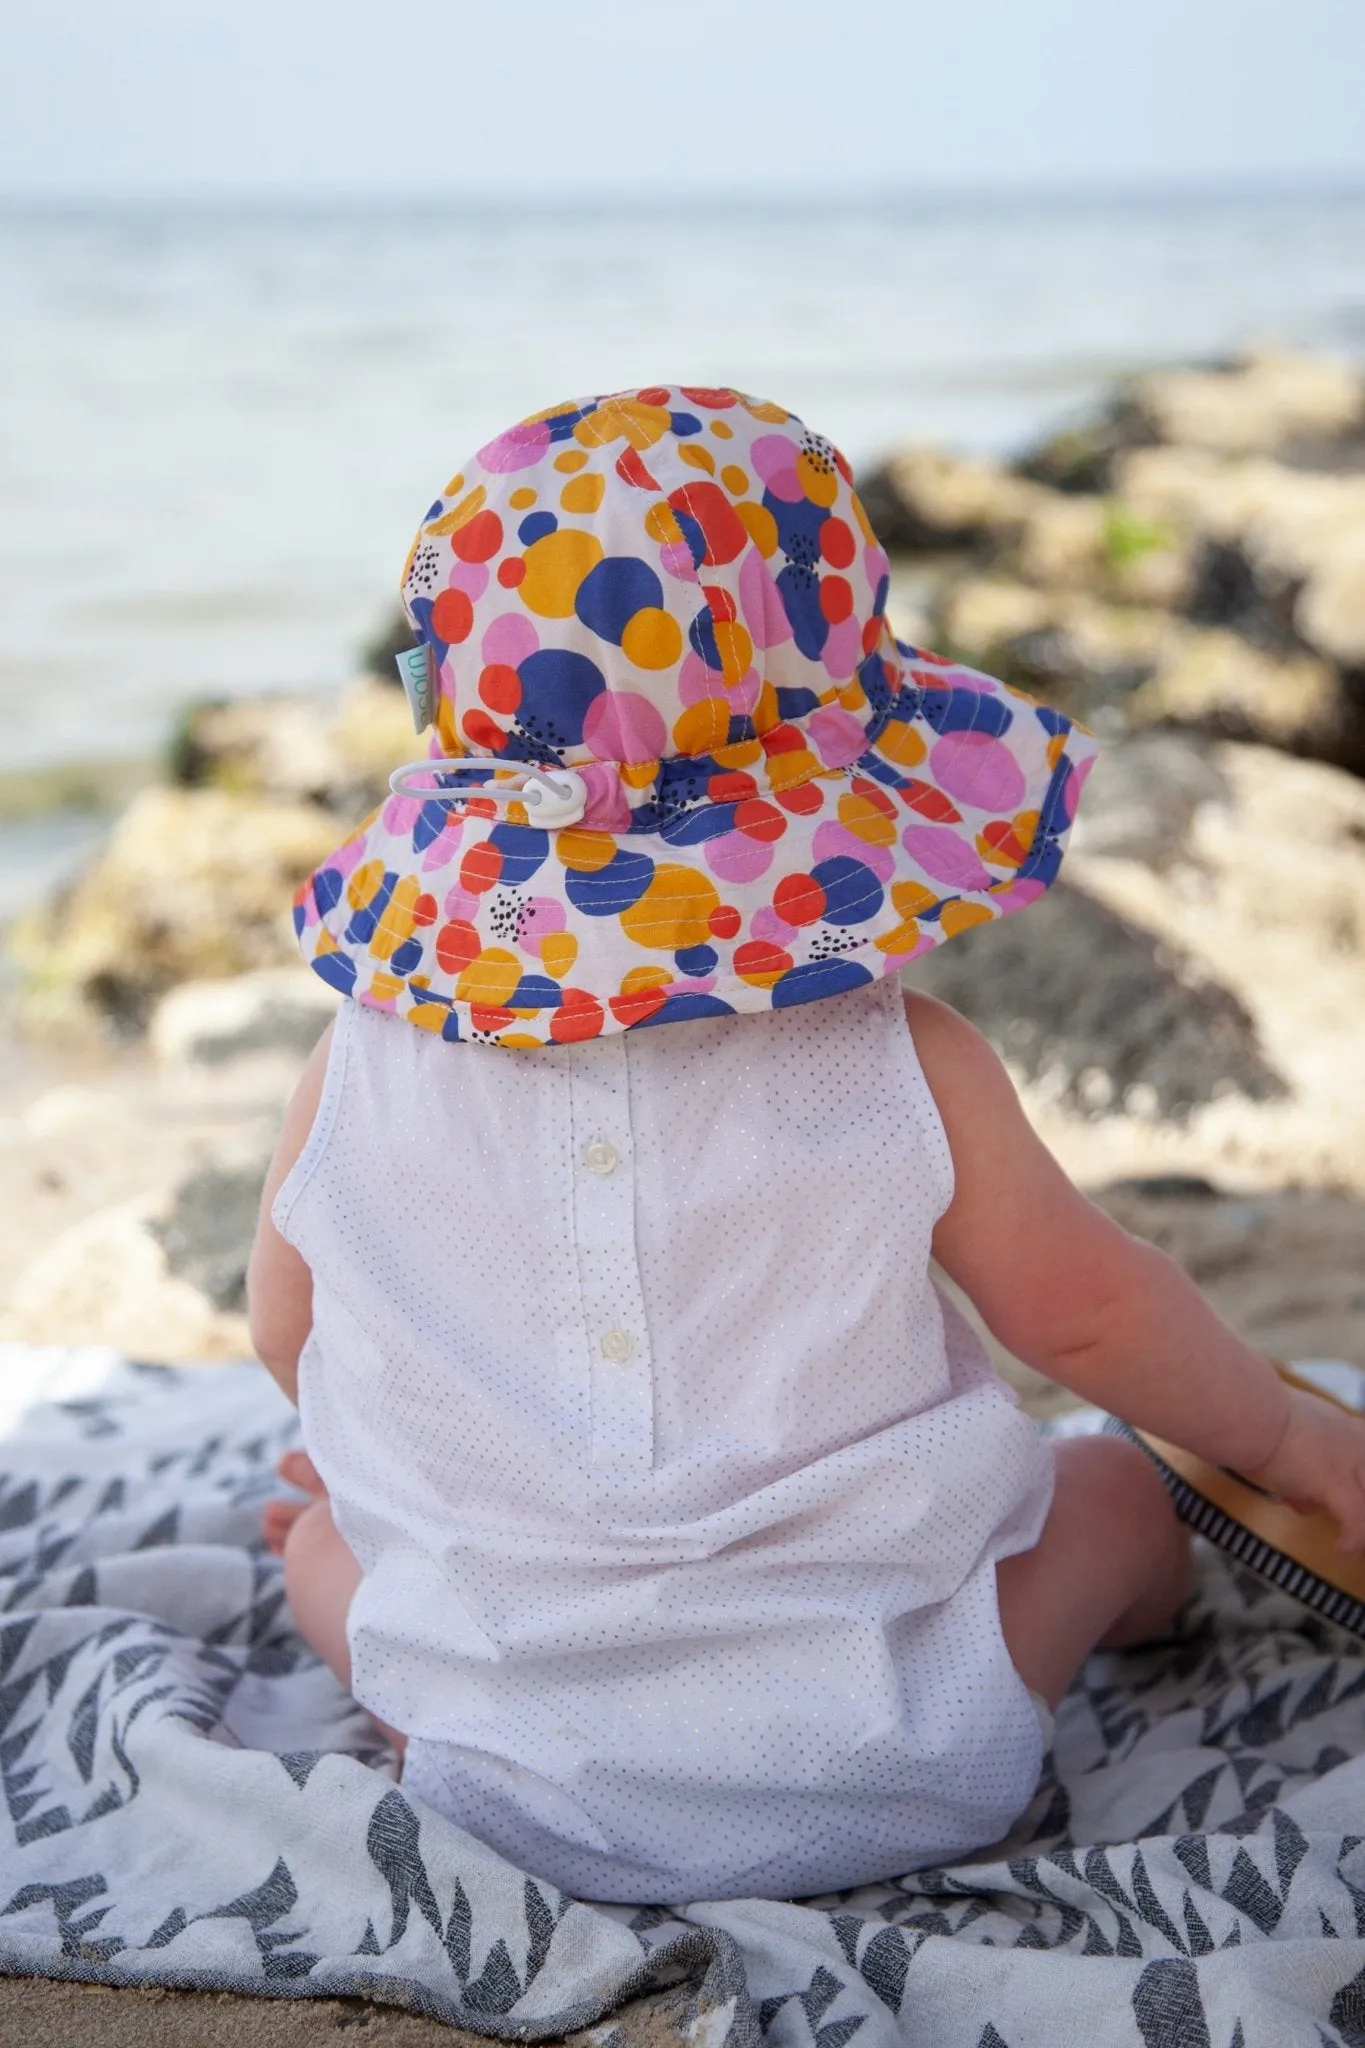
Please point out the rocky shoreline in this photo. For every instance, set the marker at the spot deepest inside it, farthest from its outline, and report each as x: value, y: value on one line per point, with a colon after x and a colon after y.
x: 1186, y: 572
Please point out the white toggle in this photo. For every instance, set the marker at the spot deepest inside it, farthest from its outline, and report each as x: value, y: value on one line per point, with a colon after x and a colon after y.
x: 552, y: 797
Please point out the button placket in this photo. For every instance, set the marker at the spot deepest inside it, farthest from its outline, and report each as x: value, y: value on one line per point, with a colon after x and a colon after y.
x: 615, y: 1336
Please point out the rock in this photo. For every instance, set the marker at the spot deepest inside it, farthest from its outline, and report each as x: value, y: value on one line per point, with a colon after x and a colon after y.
x: 1090, y: 658
x: 294, y: 749
x: 924, y: 499
x: 1142, y: 796
x: 1279, y: 553
x: 1306, y: 410
x: 1269, y: 403
x: 193, y: 883
x: 1098, y: 1013
x: 277, y: 1009
x: 106, y: 1280
x: 207, y: 1227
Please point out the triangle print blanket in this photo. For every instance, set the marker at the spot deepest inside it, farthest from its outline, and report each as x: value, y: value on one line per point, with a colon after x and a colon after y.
x: 189, y: 1799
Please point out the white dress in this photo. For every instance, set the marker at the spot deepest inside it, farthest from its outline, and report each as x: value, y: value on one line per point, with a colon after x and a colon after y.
x: 677, y: 1488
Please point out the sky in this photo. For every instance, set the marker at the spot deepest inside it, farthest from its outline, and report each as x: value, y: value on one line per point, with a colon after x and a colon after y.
x: 631, y: 98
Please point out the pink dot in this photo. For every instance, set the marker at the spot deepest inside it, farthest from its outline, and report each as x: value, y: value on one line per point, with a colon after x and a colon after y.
x: 518, y: 448
x: 765, y: 924
x: 445, y: 845
x: 623, y: 725
x: 735, y: 857
x: 764, y: 612
x: 400, y: 814
x: 786, y: 484
x: 875, y: 565
x: 747, y: 691
x: 843, y: 648
x: 508, y: 641
x: 347, y: 858
x: 944, y: 857
x: 541, y: 916
x: 470, y: 577
x: 461, y: 906
x: 675, y: 559
x: 770, y: 454
x: 832, y: 839
x: 696, y: 681
x: 977, y: 769
x: 836, y: 735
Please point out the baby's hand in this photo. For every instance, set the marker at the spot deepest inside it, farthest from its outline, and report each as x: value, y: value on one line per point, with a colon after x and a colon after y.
x: 1319, y: 1463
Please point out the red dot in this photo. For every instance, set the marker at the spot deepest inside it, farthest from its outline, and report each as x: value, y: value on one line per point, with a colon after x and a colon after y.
x: 654, y: 394
x: 799, y: 899
x: 872, y: 633
x: 759, y: 958
x: 724, y: 921
x: 579, y: 1016
x: 457, y: 944
x: 803, y: 798
x: 757, y: 820
x: 721, y: 603
x: 424, y: 910
x: 500, y: 688
x: 483, y: 1017
x: 837, y: 544
x: 731, y: 787
x: 708, y: 395
x: 481, y: 868
x: 452, y: 617
x: 634, y: 1008
x: 511, y: 572
x: 479, y: 539
x: 836, y: 598
x: 481, y: 732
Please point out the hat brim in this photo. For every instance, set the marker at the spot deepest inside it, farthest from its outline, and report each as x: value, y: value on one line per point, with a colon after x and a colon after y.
x: 479, y: 928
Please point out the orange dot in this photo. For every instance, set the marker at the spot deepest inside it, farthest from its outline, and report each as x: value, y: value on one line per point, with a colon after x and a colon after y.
x: 522, y: 498
x: 570, y: 460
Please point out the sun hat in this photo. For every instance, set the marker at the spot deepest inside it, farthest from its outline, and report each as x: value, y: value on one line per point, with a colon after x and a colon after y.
x: 681, y: 766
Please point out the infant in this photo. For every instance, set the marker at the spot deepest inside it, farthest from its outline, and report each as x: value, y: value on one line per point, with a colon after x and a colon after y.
x: 665, y: 1511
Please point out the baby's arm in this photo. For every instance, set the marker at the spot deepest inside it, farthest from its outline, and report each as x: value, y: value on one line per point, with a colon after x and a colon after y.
x: 1114, y: 1319
x: 279, y: 1285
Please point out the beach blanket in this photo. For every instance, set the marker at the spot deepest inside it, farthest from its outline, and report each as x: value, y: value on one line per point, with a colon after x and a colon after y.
x: 190, y: 1799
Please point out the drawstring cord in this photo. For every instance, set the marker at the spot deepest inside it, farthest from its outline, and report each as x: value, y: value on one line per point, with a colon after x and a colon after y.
x: 553, y: 797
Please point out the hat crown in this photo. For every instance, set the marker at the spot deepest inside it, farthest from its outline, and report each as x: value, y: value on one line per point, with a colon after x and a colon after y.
x: 668, y: 575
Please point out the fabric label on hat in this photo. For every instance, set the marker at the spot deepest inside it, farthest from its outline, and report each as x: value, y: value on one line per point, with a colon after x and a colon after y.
x: 418, y: 673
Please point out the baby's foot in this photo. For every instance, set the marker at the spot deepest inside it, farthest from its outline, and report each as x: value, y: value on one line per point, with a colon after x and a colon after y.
x: 278, y: 1517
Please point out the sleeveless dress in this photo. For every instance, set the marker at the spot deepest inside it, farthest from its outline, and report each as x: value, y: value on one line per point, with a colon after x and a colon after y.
x: 677, y: 1487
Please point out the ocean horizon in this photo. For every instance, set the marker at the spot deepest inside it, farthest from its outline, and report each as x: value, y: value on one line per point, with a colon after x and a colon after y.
x: 224, y: 416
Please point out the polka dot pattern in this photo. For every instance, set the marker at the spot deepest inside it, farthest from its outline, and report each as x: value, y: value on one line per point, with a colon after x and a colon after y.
x: 675, y: 591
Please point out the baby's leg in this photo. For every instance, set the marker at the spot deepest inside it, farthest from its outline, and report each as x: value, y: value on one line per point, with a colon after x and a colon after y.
x: 1110, y: 1568
x: 320, y: 1578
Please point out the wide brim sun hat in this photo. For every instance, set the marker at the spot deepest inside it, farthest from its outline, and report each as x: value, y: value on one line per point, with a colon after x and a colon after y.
x: 681, y: 766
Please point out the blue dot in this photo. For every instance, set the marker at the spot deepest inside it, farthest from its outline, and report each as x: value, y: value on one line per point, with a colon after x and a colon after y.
x: 958, y: 710
x: 801, y: 601
x: 685, y: 1009
x: 684, y: 424
x: 431, y: 822
x: 702, y: 634
x: 796, y: 703
x: 535, y: 526
x: 609, y: 890
x: 523, y: 849
x: 613, y: 591
x: 852, y: 891
x: 407, y: 957
x: 707, y: 821
x: 695, y: 961
x: 336, y: 969
x: 556, y: 689
x: 327, y: 887
x: 817, y: 978
x: 535, y: 992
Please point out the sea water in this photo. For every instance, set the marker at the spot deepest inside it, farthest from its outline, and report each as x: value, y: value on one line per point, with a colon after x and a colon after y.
x: 218, y: 428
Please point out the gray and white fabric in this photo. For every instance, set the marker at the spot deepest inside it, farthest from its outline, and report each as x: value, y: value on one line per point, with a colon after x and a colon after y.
x: 191, y: 1800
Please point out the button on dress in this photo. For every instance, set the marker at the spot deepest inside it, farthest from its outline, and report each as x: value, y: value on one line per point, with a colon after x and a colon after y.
x: 677, y: 1486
